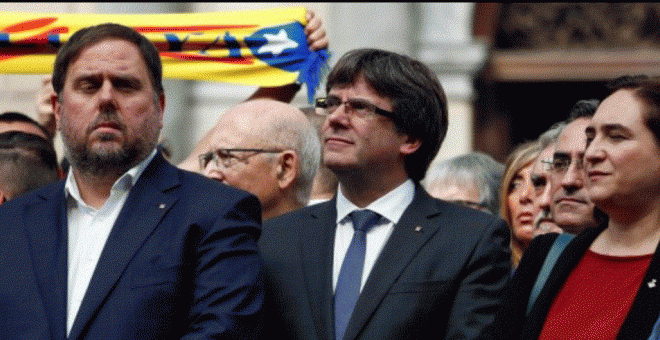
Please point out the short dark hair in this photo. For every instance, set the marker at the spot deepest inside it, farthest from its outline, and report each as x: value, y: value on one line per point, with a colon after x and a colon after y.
x: 418, y: 100
x: 625, y: 81
x: 27, y: 162
x: 13, y: 116
x: 584, y: 108
x: 89, y: 36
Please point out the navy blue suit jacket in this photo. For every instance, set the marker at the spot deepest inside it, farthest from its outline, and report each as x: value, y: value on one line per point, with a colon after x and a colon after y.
x: 439, y: 275
x: 181, y: 261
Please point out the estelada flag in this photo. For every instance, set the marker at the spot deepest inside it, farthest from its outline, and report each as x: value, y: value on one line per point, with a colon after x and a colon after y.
x: 263, y: 48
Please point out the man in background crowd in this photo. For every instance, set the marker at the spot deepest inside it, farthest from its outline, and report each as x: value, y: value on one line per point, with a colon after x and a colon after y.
x: 572, y: 208
x: 542, y: 182
x: 27, y: 162
x: 472, y: 179
x: 267, y: 148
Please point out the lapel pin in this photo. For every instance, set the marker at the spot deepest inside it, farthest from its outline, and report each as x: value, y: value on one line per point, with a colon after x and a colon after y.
x: 651, y: 283
x: 162, y: 206
x: 418, y: 229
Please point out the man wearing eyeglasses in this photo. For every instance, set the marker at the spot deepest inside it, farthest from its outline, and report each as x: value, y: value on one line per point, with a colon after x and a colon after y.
x: 572, y: 209
x: 542, y: 181
x: 267, y: 148
x: 383, y: 259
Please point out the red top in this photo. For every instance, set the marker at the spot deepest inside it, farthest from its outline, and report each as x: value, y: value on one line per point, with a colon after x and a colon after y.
x: 596, y: 297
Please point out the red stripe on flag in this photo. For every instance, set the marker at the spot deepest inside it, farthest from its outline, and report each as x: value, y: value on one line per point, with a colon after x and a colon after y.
x: 191, y: 57
x: 154, y: 29
x: 29, y: 25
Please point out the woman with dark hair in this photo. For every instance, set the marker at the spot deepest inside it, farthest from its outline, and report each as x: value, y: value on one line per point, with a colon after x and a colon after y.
x: 606, y: 282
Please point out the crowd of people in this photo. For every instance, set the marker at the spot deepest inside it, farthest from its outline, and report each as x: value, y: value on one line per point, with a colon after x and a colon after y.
x: 326, y: 222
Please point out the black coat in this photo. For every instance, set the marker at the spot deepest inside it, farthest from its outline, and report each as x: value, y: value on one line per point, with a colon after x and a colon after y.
x: 511, y: 322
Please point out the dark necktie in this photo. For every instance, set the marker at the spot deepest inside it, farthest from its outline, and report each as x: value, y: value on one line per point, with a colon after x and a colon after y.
x: 350, y: 275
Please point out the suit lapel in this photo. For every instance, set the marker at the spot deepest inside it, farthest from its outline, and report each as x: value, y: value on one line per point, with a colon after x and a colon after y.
x: 565, y: 264
x: 316, y: 248
x: 145, y: 206
x: 645, y: 309
x: 48, y: 243
x: 408, y: 237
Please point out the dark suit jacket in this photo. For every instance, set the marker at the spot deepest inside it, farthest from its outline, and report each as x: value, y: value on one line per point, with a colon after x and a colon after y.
x: 438, y: 276
x: 180, y: 262
x: 511, y: 323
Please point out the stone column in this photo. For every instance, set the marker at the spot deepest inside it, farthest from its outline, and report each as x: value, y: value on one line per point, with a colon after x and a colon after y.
x: 445, y: 44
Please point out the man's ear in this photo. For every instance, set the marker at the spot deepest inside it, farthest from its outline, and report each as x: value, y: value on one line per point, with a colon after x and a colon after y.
x: 161, y: 108
x: 410, y: 145
x: 287, y: 168
x: 56, y: 109
x: 3, y: 197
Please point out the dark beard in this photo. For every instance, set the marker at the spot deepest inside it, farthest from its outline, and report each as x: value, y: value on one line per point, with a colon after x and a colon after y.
x: 106, y: 163
x: 113, y: 164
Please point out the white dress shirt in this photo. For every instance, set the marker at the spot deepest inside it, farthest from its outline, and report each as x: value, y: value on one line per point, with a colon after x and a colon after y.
x: 88, y: 230
x: 391, y: 206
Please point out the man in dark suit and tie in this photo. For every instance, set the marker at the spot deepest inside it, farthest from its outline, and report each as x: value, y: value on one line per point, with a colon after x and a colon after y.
x: 127, y: 246
x: 383, y: 260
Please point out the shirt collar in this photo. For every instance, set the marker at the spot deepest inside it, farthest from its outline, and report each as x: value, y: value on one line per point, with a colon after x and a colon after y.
x: 124, y: 182
x: 391, y: 205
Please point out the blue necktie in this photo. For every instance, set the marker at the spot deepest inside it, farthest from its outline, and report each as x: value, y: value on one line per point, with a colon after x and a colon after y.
x: 350, y: 275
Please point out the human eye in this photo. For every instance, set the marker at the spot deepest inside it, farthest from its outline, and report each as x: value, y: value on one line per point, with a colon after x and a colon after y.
x: 126, y: 84
x: 515, y: 184
x: 87, y: 85
x: 560, y: 163
x: 617, y: 136
x: 538, y: 182
x: 591, y: 134
x: 204, y: 159
x: 229, y: 157
x: 224, y: 154
x: 363, y: 106
x: 332, y: 102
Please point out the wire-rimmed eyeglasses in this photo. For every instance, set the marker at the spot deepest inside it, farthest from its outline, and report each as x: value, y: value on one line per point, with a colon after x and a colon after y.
x: 354, y: 107
x: 229, y: 157
x: 561, y: 163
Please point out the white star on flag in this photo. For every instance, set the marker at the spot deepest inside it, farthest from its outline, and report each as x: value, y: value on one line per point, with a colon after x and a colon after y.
x: 277, y: 43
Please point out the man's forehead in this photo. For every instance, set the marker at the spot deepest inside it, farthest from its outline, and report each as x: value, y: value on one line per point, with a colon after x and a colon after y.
x: 545, y: 156
x: 360, y: 88
x: 117, y: 55
x: 573, y: 138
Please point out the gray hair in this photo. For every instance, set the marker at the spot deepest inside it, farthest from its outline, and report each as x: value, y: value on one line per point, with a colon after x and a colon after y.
x: 300, y: 136
x: 550, y: 136
x: 476, y: 168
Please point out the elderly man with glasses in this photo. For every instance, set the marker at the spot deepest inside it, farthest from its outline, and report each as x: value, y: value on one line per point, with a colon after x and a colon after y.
x: 267, y: 148
x: 542, y: 176
x: 572, y: 208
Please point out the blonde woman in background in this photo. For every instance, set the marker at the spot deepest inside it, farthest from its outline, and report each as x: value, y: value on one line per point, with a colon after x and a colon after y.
x: 517, y: 198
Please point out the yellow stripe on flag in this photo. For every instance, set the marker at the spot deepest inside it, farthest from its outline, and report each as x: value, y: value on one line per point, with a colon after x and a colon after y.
x: 263, y: 47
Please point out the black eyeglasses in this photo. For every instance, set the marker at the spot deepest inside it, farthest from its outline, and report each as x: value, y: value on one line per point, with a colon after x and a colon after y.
x: 229, y: 157
x: 354, y: 107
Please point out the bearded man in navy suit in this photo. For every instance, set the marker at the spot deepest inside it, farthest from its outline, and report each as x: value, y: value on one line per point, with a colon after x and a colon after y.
x: 421, y: 268
x: 127, y: 246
